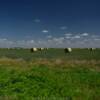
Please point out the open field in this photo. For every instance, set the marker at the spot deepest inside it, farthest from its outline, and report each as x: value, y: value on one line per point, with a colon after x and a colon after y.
x: 52, y: 53
x: 49, y: 75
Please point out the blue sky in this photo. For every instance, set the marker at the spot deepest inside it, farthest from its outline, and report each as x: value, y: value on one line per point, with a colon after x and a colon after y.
x: 49, y: 23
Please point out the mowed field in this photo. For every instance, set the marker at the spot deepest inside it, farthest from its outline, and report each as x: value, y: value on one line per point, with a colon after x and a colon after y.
x: 49, y: 74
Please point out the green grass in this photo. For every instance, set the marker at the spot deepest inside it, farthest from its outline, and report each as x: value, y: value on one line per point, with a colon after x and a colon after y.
x: 48, y: 82
x: 52, y: 53
x: 49, y: 75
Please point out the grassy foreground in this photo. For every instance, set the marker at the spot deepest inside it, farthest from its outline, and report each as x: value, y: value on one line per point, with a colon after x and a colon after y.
x: 49, y: 79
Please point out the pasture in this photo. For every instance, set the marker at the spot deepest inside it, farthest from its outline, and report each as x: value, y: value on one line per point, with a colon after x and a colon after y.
x: 49, y: 74
x: 52, y: 53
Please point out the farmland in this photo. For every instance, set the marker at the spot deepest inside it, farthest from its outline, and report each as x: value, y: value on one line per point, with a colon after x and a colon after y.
x: 49, y: 74
x: 52, y: 53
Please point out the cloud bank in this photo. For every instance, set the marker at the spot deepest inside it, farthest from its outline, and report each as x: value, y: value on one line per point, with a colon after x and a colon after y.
x: 67, y: 40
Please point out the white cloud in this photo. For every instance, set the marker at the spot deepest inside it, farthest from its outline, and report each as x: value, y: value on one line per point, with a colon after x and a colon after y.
x: 76, y: 37
x: 56, y: 42
x: 68, y: 40
x: 68, y: 37
x: 97, y: 39
x: 6, y: 43
x: 31, y: 41
x: 95, y: 36
x: 68, y: 34
x: 45, y: 31
x: 25, y: 43
x: 59, y: 40
x: 39, y: 41
x: 3, y: 39
x: 84, y: 34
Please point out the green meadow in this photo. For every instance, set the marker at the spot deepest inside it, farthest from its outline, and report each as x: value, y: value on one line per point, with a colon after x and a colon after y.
x: 49, y: 75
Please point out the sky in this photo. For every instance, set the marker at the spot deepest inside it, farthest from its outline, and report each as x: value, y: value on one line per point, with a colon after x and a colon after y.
x: 50, y: 23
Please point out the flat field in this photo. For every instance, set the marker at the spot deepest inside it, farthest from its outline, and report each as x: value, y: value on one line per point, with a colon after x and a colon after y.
x: 49, y: 75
